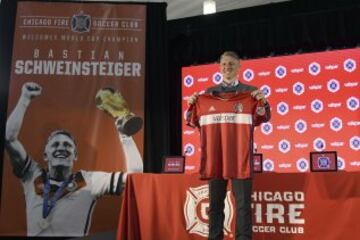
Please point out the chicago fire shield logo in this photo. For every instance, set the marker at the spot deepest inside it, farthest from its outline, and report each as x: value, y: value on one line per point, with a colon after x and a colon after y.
x: 196, y: 211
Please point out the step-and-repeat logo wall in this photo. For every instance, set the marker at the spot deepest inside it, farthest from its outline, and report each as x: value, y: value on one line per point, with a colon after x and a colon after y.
x: 314, y: 102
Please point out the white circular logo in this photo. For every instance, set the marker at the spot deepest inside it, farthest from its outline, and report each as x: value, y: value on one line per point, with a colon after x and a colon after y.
x: 314, y: 68
x: 302, y: 165
x: 340, y: 163
x: 333, y: 85
x: 266, y: 128
x: 284, y: 146
x: 282, y: 108
x: 317, y: 106
x: 355, y: 143
x: 298, y: 88
x: 266, y: 90
x: 352, y: 103
x: 217, y: 78
x: 268, y: 165
x: 300, y: 126
x: 189, y: 149
x: 280, y: 72
x: 349, y: 65
x: 336, y: 124
x: 319, y: 144
x: 188, y: 81
x: 248, y: 75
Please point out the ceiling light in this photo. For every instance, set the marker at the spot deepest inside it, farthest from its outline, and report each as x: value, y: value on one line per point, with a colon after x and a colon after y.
x: 209, y: 7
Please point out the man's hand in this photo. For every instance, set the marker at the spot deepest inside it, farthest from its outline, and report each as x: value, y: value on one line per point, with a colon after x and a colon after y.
x: 30, y: 90
x: 259, y: 95
x: 193, y: 99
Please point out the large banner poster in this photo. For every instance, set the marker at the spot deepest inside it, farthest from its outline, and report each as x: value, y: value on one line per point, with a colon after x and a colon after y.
x: 80, y: 68
x: 314, y: 101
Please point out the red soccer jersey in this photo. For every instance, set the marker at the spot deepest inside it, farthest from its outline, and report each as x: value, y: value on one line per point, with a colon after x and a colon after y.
x: 226, y: 124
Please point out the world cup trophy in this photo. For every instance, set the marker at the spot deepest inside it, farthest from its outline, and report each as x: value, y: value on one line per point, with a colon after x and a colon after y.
x: 111, y: 102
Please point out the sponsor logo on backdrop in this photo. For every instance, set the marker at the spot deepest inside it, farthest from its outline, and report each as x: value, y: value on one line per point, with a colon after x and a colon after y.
x: 189, y: 149
x: 336, y: 124
x: 319, y: 144
x: 301, y: 145
x: 285, y: 165
x: 331, y: 67
x: 282, y: 108
x: 196, y: 211
x: 297, y: 70
x: 334, y: 105
x: 188, y: 81
x: 299, y: 107
x: 278, y: 212
x: 281, y: 90
x: 314, y: 68
x: 315, y: 87
x: 340, y: 163
x: 283, y: 127
x: 349, y: 65
x: 351, y: 84
x: 248, y: 75
x: 302, y: 165
x: 280, y: 72
x: 266, y: 128
x: 317, y: 106
x: 264, y: 74
x: 298, y: 88
x: 268, y: 165
x: 352, y: 103
x: 300, y: 126
x: 333, y: 85
x: 284, y: 146
x: 355, y: 143
x: 266, y: 90
x: 317, y: 125
x: 217, y: 78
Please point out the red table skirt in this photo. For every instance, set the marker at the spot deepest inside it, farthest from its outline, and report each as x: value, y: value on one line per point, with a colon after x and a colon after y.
x: 307, y: 206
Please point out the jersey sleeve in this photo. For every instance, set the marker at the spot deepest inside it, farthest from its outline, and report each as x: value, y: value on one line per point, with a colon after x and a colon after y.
x: 102, y: 183
x: 192, y: 117
x: 261, y: 113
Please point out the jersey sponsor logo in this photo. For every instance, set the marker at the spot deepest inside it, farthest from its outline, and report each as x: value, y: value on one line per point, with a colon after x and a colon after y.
x: 349, y: 65
x: 238, y: 108
x: 188, y: 81
x: 268, y: 165
x: 298, y: 88
x: 302, y: 165
x: 266, y: 90
x: 336, y: 124
x: 280, y: 72
x: 355, y: 143
x: 282, y: 108
x: 352, y: 103
x: 266, y: 128
x: 237, y: 118
x: 300, y: 126
x: 217, y: 78
x: 284, y: 146
x: 340, y: 163
x: 319, y: 144
x: 248, y: 75
x: 317, y: 106
x: 314, y: 68
x: 189, y: 149
x: 196, y: 211
x: 333, y: 85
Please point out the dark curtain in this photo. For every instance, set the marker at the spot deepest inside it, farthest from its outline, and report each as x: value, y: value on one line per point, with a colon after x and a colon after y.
x: 277, y: 29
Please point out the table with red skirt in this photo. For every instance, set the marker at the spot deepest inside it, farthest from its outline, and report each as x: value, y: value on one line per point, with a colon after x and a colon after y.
x: 296, y: 206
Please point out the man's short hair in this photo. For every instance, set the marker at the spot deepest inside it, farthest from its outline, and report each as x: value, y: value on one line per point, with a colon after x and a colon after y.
x: 230, y: 54
x: 60, y: 132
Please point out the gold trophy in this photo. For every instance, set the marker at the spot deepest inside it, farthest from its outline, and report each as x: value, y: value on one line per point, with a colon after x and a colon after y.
x: 111, y: 102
